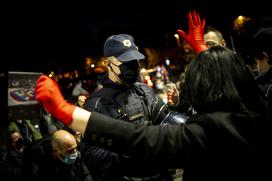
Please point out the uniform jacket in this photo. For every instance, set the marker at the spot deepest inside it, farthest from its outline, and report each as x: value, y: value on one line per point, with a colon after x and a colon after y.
x: 132, y: 105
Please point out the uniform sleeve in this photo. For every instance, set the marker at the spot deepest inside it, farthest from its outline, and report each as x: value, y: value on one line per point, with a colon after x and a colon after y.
x: 91, y: 104
x: 153, y: 145
x: 95, y: 157
x: 99, y: 159
x: 149, y: 92
x: 157, y: 108
x: 98, y: 104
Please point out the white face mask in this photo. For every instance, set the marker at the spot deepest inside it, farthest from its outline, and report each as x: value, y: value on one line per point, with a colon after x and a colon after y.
x: 70, y: 159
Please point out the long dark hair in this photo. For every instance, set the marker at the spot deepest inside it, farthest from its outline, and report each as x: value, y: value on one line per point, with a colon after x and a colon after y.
x: 218, y: 80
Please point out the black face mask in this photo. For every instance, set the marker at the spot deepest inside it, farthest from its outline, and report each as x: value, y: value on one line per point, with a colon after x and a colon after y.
x: 130, y: 71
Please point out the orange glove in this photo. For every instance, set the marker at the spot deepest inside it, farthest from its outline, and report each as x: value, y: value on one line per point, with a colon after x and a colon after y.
x: 195, y: 37
x: 48, y: 94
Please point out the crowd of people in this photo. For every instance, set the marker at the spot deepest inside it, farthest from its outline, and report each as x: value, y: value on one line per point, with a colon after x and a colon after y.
x: 215, y: 126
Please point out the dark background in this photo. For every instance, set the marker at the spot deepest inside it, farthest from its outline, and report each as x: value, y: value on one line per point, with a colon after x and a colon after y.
x: 50, y: 36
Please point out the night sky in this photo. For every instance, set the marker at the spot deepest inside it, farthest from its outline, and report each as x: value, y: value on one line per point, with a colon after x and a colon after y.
x: 37, y: 38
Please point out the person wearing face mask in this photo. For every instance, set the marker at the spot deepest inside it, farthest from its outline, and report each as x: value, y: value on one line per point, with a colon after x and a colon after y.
x: 56, y: 158
x: 228, y: 138
x: 123, y: 97
x: 15, y: 149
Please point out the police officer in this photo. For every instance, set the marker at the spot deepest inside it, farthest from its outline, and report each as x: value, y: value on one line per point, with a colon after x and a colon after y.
x: 122, y: 97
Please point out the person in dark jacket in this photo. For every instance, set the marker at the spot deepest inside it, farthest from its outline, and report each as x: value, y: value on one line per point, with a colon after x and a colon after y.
x: 55, y: 158
x: 123, y: 97
x: 14, y: 158
x: 262, y: 49
x: 228, y: 139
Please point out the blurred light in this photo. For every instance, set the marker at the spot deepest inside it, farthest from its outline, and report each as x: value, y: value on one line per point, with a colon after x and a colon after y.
x: 177, y: 39
x: 51, y: 74
x: 240, y: 22
x: 158, y: 74
x: 143, y: 70
x: 176, y: 36
x: 240, y: 18
x: 36, y: 126
x: 167, y: 62
x: 66, y: 75
x: 147, y: 77
x: 76, y: 74
x: 149, y: 83
x: 88, y: 61
x: 93, y: 65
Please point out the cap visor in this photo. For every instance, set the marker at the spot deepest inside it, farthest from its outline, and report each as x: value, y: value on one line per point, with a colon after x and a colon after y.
x: 130, y: 55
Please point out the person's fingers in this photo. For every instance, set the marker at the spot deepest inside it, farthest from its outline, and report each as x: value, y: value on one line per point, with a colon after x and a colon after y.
x: 175, y: 89
x: 41, y: 78
x: 190, y: 21
x: 197, y: 18
x: 193, y: 17
x: 203, y: 23
x: 182, y: 34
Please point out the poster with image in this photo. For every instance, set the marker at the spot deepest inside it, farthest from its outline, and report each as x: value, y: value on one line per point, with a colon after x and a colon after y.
x: 21, y: 95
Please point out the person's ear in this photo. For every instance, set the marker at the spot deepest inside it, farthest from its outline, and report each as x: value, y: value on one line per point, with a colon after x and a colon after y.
x: 261, y: 56
x: 106, y: 63
x: 55, y: 153
x: 224, y: 44
x: 265, y: 56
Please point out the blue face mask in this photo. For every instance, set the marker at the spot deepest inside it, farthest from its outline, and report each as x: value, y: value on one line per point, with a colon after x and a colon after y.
x: 70, y: 159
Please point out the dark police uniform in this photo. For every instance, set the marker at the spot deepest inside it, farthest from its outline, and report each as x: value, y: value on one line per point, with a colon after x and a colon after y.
x: 136, y: 104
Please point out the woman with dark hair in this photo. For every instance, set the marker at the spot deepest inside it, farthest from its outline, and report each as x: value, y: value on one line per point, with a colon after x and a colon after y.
x: 218, y: 80
x: 228, y: 139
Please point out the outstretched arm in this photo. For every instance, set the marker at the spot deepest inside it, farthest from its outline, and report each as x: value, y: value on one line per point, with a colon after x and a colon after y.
x: 156, y: 146
x: 195, y: 36
x: 48, y: 94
